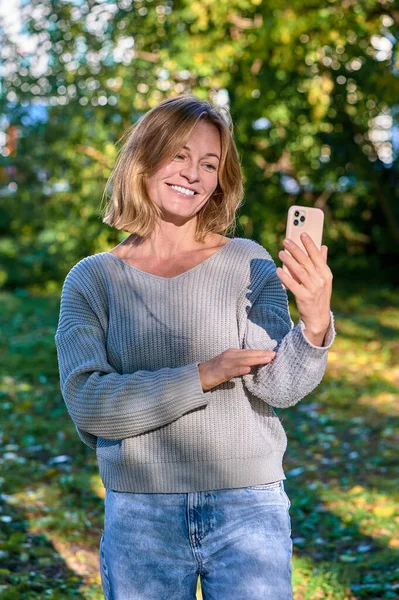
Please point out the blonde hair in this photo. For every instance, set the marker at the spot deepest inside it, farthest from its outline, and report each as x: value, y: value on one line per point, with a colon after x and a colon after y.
x: 154, y: 140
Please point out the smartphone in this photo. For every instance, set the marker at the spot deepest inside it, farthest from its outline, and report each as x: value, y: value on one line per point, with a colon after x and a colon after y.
x: 302, y: 219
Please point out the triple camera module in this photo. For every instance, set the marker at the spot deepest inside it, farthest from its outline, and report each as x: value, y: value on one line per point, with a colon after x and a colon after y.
x: 299, y: 218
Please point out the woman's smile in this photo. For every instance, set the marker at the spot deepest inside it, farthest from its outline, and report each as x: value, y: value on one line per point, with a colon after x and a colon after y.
x: 181, y: 190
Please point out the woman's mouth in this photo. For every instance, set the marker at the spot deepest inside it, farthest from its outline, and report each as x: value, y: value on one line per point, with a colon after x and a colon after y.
x: 182, y: 190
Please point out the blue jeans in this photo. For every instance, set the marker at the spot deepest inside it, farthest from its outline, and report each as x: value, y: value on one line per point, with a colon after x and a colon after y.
x: 238, y: 541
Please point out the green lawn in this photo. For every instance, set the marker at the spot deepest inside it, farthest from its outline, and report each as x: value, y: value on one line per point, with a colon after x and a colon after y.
x: 341, y: 464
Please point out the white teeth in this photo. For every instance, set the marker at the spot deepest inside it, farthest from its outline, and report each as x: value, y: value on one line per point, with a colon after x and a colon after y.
x: 182, y: 190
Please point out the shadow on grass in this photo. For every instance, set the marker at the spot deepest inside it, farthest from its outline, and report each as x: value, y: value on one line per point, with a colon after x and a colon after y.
x: 366, y: 328
x: 30, y: 565
x: 335, y: 444
x: 341, y: 456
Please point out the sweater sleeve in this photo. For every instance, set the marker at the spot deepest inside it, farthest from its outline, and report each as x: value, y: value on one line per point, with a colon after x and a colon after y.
x: 101, y: 401
x: 299, y: 366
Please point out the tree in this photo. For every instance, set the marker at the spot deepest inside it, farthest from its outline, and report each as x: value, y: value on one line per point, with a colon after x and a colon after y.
x: 312, y: 89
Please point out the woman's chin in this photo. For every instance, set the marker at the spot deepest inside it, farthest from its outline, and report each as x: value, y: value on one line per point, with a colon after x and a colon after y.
x: 176, y: 218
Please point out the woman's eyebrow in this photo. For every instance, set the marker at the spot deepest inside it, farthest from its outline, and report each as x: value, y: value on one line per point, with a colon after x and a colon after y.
x: 207, y: 154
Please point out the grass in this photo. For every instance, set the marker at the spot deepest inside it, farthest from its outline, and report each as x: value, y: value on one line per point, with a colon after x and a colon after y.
x: 341, y: 463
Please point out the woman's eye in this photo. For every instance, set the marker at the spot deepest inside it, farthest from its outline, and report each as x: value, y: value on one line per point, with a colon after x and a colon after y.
x: 179, y: 156
x: 210, y: 167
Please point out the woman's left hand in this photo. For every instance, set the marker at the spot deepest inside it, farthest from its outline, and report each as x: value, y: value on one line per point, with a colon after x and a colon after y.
x: 311, y: 284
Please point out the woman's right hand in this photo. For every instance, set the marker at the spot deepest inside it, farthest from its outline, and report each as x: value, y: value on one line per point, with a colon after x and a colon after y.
x: 231, y: 363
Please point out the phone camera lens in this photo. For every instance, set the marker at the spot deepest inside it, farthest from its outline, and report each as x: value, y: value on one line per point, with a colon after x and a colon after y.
x: 296, y: 213
x: 296, y: 221
x: 302, y: 219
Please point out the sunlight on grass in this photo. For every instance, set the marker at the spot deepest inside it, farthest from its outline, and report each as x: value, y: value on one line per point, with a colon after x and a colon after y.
x: 47, y: 510
x: 62, y: 533
x: 199, y: 591
x: 385, y: 402
x: 341, y: 464
x: 376, y: 514
x: 96, y: 485
x: 318, y: 582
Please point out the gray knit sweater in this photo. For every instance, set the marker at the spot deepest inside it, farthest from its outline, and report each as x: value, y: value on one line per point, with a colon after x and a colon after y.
x: 129, y: 344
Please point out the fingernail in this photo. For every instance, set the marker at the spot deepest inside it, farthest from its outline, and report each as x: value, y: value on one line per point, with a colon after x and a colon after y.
x: 305, y: 235
x: 288, y: 242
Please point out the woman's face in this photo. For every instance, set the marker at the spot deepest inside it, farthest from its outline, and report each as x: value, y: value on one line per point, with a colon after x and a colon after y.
x: 182, y: 186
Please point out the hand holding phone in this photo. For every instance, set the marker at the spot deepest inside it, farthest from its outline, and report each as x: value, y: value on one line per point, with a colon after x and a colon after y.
x: 305, y: 271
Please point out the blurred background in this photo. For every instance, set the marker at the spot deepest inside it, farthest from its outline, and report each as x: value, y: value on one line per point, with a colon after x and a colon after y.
x: 313, y: 89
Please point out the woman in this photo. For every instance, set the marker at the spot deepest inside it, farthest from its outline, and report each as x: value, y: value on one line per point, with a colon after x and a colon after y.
x: 173, y: 349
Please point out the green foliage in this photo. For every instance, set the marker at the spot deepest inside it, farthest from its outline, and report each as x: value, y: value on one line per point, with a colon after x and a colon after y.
x: 313, y: 73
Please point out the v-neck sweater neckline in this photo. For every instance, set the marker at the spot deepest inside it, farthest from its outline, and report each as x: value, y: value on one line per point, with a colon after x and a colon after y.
x: 188, y: 271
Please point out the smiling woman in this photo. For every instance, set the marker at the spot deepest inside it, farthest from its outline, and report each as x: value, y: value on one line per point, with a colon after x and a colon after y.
x: 173, y: 348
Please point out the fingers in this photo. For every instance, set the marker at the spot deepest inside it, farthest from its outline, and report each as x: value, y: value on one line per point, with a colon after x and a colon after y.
x: 286, y: 269
x: 238, y: 362
x: 305, y: 267
x: 297, y: 271
x: 289, y: 282
x: 233, y: 362
x: 250, y: 357
x: 312, y: 256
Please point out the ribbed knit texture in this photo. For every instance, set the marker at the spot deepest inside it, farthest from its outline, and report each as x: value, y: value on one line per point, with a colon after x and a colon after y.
x: 129, y: 344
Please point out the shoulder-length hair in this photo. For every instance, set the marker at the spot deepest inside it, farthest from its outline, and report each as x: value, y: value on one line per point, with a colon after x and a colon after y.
x: 155, y: 139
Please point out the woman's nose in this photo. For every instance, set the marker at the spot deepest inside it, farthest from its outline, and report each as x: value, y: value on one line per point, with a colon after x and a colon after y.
x: 190, y: 172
